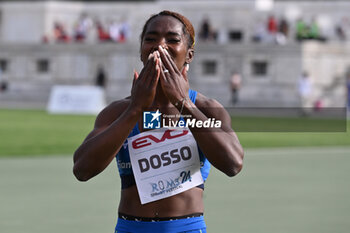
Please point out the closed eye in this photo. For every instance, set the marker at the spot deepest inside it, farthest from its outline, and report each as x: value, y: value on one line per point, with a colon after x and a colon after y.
x: 149, y: 39
x: 174, y: 41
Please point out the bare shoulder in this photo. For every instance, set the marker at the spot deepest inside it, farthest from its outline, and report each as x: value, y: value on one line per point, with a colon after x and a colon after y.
x: 108, y: 115
x: 213, y: 109
x: 111, y: 112
x: 208, y: 105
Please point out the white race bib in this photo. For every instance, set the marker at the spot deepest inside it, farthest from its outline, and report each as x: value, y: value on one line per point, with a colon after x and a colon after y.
x: 165, y: 162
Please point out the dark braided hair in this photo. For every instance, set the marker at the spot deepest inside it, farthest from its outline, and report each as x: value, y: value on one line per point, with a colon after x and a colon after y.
x: 188, y: 29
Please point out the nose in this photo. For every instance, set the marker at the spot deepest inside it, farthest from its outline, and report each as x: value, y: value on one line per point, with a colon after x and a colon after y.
x: 161, y: 42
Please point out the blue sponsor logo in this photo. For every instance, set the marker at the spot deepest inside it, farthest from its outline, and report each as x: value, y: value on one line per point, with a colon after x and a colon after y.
x: 151, y: 120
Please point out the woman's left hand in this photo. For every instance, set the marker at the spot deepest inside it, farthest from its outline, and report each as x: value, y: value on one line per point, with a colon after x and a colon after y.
x: 174, y: 82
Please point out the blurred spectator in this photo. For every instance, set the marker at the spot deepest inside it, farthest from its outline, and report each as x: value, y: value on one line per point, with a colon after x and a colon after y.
x: 206, y: 33
x: 3, y: 86
x: 0, y: 78
x: 304, y: 90
x: 283, y: 27
x: 272, y: 29
x: 314, y: 31
x: 45, y: 39
x: 318, y: 105
x: 124, y: 31
x: 308, y: 32
x: 282, y: 34
x: 301, y: 30
x: 103, y: 35
x: 60, y: 34
x: 3, y: 83
x: 114, y: 30
x: 281, y: 39
x: 236, y: 81
x: 272, y: 25
x: 222, y: 36
x: 82, y: 27
x: 340, y: 29
x: 348, y: 90
x: 100, y: 77
x: 259, y: 32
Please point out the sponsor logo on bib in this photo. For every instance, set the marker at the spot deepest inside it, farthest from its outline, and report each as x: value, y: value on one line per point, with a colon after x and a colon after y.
x: 165, y: 162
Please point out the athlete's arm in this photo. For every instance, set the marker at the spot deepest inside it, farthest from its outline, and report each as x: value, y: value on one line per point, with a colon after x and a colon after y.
x: 114, y: 124
x: 220, y: 146
x: 104, y: 141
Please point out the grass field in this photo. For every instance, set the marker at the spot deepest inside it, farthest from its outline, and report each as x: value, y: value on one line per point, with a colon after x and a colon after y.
x: 34, y: 132
x: 279, y: 190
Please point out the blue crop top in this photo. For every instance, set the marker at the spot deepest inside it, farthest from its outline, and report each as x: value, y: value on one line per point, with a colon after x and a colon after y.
x: 124, y: 164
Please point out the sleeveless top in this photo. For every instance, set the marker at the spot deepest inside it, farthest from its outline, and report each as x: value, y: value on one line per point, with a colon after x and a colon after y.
x: 124, y: 164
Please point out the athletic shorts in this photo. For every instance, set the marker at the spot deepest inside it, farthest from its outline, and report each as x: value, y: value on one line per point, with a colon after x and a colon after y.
x: 191, y: 225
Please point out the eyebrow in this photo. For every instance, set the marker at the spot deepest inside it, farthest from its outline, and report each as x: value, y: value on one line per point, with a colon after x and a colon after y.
x: 168, y: 33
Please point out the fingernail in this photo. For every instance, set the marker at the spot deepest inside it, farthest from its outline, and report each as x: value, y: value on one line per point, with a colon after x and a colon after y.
x: 160, y: 47
x: 158, y: 54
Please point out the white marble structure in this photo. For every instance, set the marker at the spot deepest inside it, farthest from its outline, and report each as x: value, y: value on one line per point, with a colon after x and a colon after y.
x: 31, y: 67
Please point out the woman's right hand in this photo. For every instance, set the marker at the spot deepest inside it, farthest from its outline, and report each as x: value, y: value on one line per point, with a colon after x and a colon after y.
x: 114, y: 123
x: 144, y: 84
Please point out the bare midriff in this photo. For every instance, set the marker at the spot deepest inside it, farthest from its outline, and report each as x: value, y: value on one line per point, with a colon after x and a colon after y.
x: 185, y: 203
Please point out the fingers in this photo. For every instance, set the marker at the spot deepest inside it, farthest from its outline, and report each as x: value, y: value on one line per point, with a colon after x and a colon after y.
x: 152, y: 73
x: 155, y: 79
x: 167, y: 61
x: 136, y: 76
x: 147, y: 68
x: 157, y: 73
x: 162, y: 76
x: 165, y: 77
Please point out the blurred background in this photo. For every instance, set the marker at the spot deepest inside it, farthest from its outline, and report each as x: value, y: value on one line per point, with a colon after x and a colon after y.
x: 268, y: 44
x: 275, y: 65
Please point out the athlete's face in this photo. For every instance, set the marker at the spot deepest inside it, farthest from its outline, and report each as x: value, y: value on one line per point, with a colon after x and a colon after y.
x: 167, y: 32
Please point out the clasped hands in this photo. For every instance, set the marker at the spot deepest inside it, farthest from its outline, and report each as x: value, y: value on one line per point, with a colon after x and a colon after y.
x: 160, y: 69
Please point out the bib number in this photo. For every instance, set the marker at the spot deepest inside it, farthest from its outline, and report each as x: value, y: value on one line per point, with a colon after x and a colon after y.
x: 165, y: 162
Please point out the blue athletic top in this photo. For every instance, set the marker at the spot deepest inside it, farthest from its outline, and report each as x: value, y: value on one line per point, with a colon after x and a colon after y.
x: 124, y: 164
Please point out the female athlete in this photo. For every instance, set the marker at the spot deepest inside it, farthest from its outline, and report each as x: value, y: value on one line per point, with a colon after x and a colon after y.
x: 162, y: 170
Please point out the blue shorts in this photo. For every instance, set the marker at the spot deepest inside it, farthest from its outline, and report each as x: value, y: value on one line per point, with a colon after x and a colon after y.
x: 193, y: 225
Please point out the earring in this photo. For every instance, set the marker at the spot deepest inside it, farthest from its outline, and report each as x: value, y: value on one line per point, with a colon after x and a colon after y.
x: 187, y: 67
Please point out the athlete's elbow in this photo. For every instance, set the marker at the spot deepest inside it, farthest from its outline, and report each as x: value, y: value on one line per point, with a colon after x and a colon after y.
x: 234, y: 169
x: 235, y: 166
x: 80, y: 174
